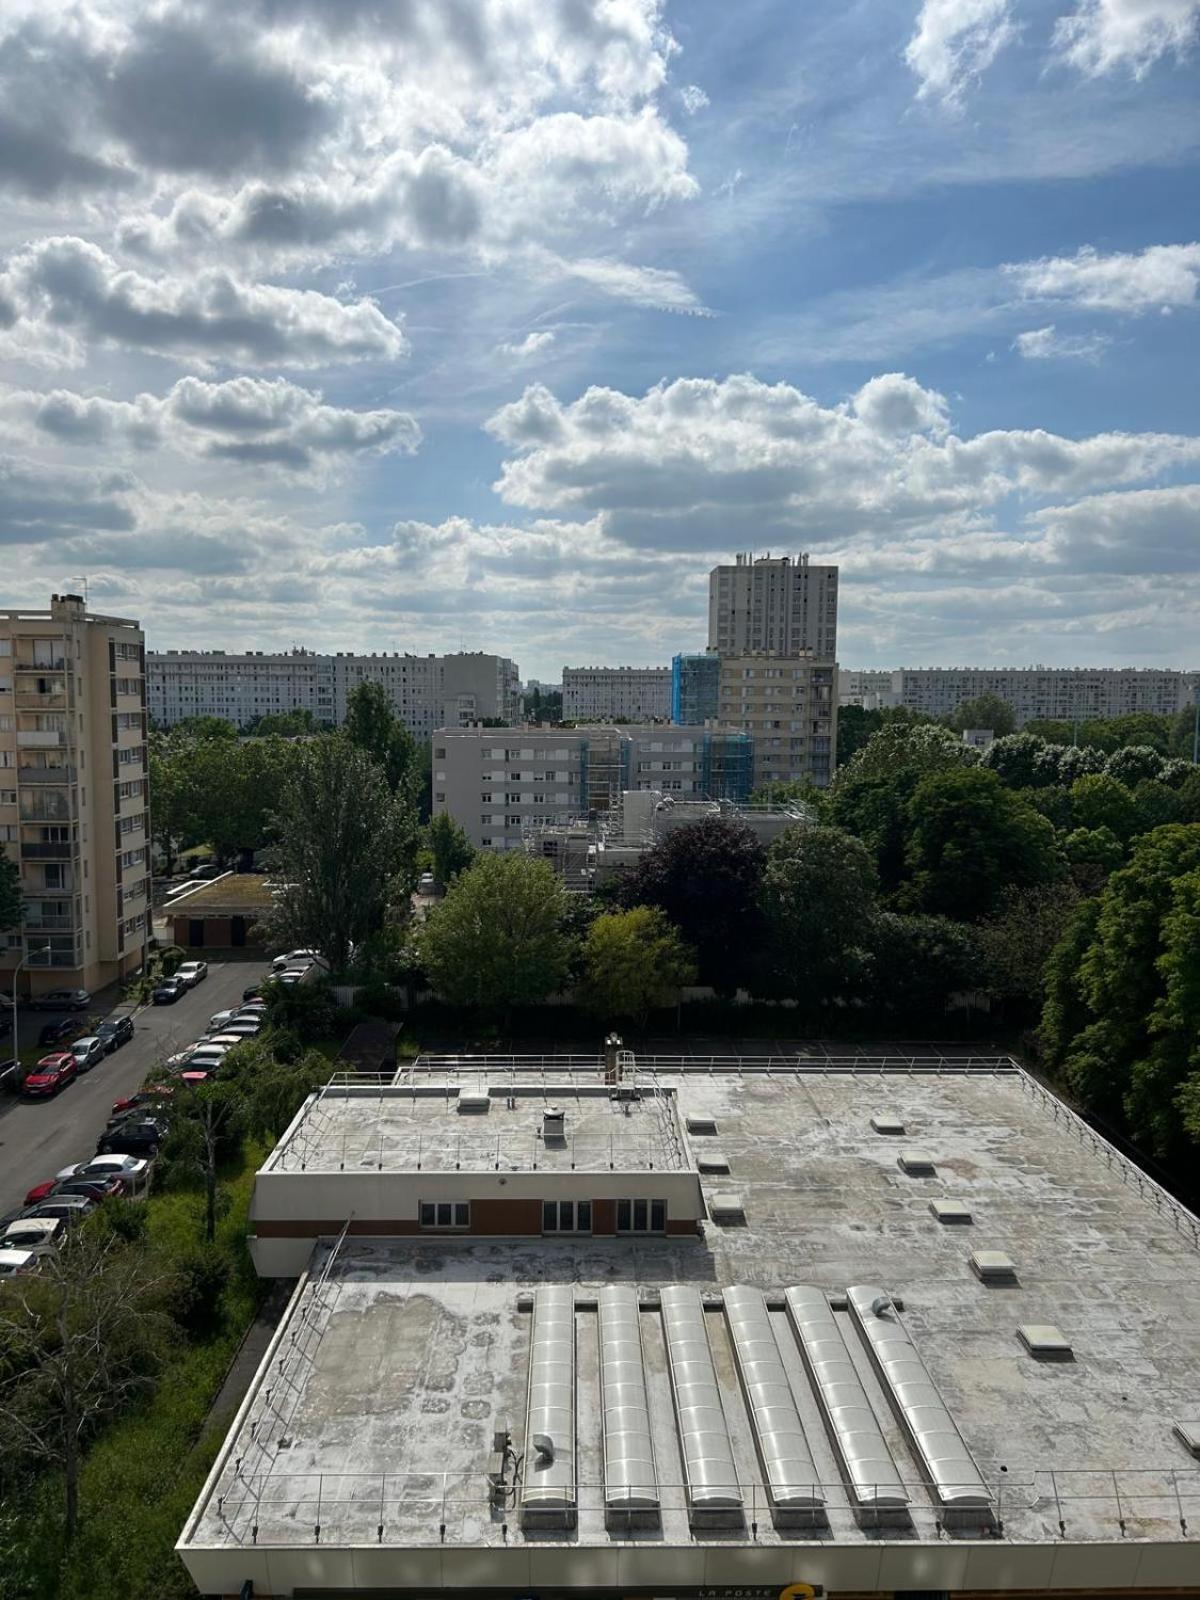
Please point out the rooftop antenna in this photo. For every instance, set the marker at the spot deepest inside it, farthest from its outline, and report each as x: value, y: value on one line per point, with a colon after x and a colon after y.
x: 81, y: 579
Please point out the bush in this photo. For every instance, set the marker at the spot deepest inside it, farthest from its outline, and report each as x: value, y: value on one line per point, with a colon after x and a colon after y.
x: 203, y: 1276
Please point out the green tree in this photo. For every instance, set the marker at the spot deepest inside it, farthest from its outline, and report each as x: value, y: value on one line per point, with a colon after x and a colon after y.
x: 236, y: 790
x: 193, y: 729
x: 10, y: 891
x: 987, y: 711
x: 795, y: 792
x: 372, y: 725
x: 706, y: 877
x: 818, y: 892
x: 451, y: 849
x: 917, y: 964
x: 288, y: 724
x: 969, y: 840
x: 1098, y: 801
x: 633, y: 963
x: 497, y: 940
x: 344, y: 854
x: 873, y: 809
x: 1133, y: 764
x: 1016, y: 943
x: 1092, y: 854
x: 205, y: 1131
x: 919, y: 746
x: 1019, y: 760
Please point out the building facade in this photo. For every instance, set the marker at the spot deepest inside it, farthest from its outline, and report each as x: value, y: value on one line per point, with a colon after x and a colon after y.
x: 1061, y: 694
x: 73, y: 794
x: 616, y: 694
x: 498, y: 783
x: 426, y: 692
x: 695, y: 687
x: 780, y: 603
x: 788, y: 707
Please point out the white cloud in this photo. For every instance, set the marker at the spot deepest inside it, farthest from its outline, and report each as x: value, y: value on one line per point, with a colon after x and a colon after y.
x: 955, y: 42
x: 654, y: 287
x: 72, y: 288
x: 694, y: 98
x: 1047, y: 344
x: 1104, y: 35
x: 1160, y: 277
x: 531, y: 345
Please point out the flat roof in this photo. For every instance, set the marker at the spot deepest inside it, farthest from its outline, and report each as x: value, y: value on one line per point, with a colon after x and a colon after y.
x: 236, y: 892
x: 373, y: 1414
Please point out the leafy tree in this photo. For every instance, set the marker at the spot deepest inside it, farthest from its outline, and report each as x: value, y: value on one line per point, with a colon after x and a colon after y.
x: 1020, y: 761
x: 497, y: 938
x: 988, y: 711
x: 854, y: 727
x: 172, y: 796
x: 818, y: 892
x: 1181, y: 741
x: 1176, y: 772
x: 1016, y: 943
x: 873, y: 809
x: 796, y: 792
x: 706, y: 877
x: 634, y: 962
x: 1156, y: 805
x: 1099, y: 801
x: 969, y: 840
x: 235, y: 791
x: 1065, y: 1012
x: 345, y: 851
x: 193, y: 729
x: 1188, y: 794
x: 10, y: 891
x: 452, y: 850
x: 287, y: 724
x: 1073, y: 761
x: 1133, y: 763
x: 1092, y: 854
x: 1051, y: 730
x: 921, y: 747
x: 1145, y: 729
x: 205, y: 1131
x: 918, y: 963
x: 372, y: 725
x: 543, y: 705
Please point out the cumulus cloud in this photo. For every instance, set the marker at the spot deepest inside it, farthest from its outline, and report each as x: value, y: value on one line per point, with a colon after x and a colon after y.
x: 1140, y: 531
x: 1048, y: 344
x: 531, y: 345
x: 689, y: 461
x: 73, y: 288
x: 954, y: 44
x: 1102, y: 36
x: 1160, y: 277
x: 254, y: 421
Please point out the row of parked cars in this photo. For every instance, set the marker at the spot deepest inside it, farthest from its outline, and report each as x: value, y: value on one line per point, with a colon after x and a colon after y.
x: 56, y: 1070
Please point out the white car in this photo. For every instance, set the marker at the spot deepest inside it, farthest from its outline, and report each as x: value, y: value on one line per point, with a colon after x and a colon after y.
x: 244, y: 1029
x: 191, y: 972
x: 218, y: 1020
x: 16, y: 1263
x: 222, y: 1041
x: 133, y: 1171
x: 295, y: 957
x: 33, y: 1233
x: 206, y: 1057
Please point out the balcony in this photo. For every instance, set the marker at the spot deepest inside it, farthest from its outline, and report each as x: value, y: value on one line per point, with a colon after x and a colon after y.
x: 41, y: 738
x: 63, y: 776
x: 58, y: 850
x: 48, y: 924
x: 46, y: 805
x: 55, y: 663
x: 40, y: 699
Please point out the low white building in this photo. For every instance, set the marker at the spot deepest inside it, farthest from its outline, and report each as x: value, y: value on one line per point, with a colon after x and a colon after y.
x: 616, y: 694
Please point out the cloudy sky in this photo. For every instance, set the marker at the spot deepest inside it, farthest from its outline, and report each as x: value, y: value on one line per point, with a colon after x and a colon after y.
x: 428, y: 324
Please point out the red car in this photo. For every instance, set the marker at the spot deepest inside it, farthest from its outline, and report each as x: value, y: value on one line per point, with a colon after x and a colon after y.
x: 144, y: 1097
x: 51, y: 1074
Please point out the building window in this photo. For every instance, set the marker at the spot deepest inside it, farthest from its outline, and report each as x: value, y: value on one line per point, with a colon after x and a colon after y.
x: 641, y: 1216
x: 445, y: 1215
x: 566, y: 1216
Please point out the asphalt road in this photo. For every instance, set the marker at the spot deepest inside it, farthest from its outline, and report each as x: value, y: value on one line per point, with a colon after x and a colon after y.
x: 40, y: 1137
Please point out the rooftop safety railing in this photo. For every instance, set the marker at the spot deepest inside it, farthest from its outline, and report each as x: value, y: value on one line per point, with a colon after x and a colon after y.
x: 252, y: 1504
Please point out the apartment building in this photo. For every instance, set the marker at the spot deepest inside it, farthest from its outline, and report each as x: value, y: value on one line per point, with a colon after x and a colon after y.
x: 788, y: 706
x: 695, y: 686
x: 780, y: 603
x: 73, y: 794
x: 427, y: 692
x: 616, y: 694
x: 1064, y: 694
x: 499, y: 782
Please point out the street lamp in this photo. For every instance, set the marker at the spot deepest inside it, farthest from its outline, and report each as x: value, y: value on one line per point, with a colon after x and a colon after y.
x: 16, y: 1045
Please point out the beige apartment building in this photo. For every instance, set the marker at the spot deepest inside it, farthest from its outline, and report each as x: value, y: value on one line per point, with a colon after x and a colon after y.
x: 73, y: 794
x: 787, y: 704
x: 780, y: 603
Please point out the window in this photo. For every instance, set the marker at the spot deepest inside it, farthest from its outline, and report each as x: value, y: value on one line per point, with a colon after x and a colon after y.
x: 641, y: 1216
x: 566, y: 1216
x: 445, y: 1214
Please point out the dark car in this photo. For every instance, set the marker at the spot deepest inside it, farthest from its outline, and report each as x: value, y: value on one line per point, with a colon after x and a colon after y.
x: 94, y: 1188
x: 158, y: 1096
x: 61, y: 1000
x: 168, y: 992
x: 252, y: 991
x: 51, y: 1074
x: 115, y: 1031
x: 131, y: 1138
x: 62, y: 1032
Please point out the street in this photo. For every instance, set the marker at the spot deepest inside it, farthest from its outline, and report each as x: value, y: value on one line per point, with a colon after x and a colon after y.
x: 39, y: 1137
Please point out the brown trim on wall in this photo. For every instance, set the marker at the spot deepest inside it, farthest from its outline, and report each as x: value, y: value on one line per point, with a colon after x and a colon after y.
x: 682, y: 1225
x: 604, y: 1217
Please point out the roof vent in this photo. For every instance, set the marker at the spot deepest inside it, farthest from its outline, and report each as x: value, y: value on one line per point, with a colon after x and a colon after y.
x: 1188, y: 1434
x: 950, y: 1211
x: 554, y: 1122
x: 916, y: 1161
x: 474, y: 1100
x: 887, y: 1122
x: 726, y: 1208
x: 1044, y: 1340
x: 993, y: 1266
x: 713, y: 1161
x: 702, y: 1125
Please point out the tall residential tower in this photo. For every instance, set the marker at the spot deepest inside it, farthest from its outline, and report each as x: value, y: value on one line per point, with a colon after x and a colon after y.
x: 779, y: 603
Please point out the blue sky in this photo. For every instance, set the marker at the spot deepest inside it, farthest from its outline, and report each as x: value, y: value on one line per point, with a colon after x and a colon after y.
x: 427, y: 324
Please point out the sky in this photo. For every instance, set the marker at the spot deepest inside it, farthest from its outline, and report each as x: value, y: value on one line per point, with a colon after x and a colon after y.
x: 495, y: 324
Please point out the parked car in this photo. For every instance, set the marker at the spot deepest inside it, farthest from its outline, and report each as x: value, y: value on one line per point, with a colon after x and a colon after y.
x: 243, y: 1028
x: 98, y: 1188
x: 133, y: 1137
x: 28, y: 1233
x: 252, y: 991
x: 132, y: 1172
x: 158, y: 1095
x: 60, y: 1000
x: 219, y: 1018
x: 51, y: 1074
x: 88, y: 1052
x: 168, y: 991
x: 427, y: 883
x: 63, y: 1032
x: 68, y: 1208
x: 292, y: 957
x: 208, y: 1058
x: 18, y: 1263
x: 192, y: 972
x: 40, y: 1191
x: 115, y: 1031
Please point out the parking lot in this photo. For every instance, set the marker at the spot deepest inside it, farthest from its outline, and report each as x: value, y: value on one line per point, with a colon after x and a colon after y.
x: 40, y: 1137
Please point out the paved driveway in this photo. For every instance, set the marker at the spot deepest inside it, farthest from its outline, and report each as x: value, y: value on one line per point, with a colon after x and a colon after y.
x: 39, y: 1137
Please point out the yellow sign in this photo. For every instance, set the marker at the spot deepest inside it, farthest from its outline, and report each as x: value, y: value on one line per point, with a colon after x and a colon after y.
x: 798, y: 1591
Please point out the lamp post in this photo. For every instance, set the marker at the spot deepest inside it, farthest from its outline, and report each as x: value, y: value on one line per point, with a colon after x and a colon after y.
x: 16, y: 1044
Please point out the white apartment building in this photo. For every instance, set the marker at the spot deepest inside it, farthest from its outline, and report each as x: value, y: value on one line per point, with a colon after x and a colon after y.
x: 617, y: 694
x: 1062, y: 694
x: 780, y: 603
x: 499, y: 782
x: 73, y: 794
x: 427, y: 692
x: 788, y: 706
